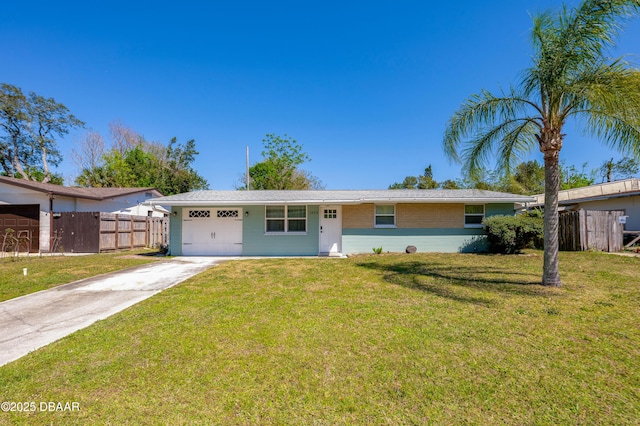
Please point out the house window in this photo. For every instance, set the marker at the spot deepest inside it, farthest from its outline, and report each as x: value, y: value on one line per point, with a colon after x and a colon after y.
x: 385, y: 216
x: 473, y: 215
x: 330, y: 213
x: 281, y: 219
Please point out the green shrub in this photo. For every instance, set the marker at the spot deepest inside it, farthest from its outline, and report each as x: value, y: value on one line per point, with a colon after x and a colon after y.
x: 510, y: 234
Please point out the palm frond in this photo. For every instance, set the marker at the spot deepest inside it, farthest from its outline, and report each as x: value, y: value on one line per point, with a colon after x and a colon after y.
x: 511, y: 139
x: 569, y: 43
x: 588, y: 30
x: 520, y: 139
x: 618, y: 132
x: 480, y: 111
x: 612, y: 89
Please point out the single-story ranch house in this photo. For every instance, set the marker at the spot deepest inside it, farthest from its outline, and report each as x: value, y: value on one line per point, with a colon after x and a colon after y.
x: 332, y: 223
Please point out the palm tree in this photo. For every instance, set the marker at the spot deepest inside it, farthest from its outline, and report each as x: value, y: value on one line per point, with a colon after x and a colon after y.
x: 571, y: 78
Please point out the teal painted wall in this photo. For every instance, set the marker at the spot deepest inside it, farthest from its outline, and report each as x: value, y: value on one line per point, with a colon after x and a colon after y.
x: 257, y: 243
x: 499, y: 209
x: 175, y: 232
x: 444, y: 240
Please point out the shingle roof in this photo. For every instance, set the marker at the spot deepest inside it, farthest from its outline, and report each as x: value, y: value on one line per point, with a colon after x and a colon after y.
x: 73, y: 192
x: 212, y: 198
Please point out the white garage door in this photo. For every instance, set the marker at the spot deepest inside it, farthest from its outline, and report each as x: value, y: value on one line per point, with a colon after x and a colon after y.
x: 212, y: 232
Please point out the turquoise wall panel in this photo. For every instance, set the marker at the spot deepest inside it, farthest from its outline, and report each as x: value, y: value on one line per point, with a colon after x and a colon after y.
x: 257, y: 243
x: 499, y: 209
x: 175, y: 232
x: 448, y: 240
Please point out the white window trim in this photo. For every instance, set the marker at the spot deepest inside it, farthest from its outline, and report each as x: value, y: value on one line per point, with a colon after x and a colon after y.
x: 474, y: 225
x: 375, y: 215
x: 286, y: 221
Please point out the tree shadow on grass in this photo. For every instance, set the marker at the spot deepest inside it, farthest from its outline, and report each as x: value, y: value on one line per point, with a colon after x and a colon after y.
x: 471, y: 284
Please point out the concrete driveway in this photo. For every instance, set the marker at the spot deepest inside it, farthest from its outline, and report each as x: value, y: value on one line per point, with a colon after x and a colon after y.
x: 35, y: 320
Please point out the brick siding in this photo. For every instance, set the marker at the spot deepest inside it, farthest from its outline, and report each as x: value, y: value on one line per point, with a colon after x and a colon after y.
x: 357, y: 216
x: 407, y: 216
x: 430, y: 215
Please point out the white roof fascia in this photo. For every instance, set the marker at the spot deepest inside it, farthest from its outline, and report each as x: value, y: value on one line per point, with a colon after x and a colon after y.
x: 448, y: 200
x: 456, y: 200
x: 247, y: 202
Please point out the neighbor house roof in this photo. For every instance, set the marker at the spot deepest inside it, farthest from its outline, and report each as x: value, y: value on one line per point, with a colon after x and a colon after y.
x: 603, y: 191
x: 75, y: 192
x: 220, y: 198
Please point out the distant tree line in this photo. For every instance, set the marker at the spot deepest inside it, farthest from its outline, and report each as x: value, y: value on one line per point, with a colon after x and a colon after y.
x: 30, y: 125
x: 133, y: 161
x: 527, y: 178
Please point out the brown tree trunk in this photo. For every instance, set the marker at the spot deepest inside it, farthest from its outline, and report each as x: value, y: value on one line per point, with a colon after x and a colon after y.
x: 47, y: 172
x: 17, y: 166
x: 551, y: 273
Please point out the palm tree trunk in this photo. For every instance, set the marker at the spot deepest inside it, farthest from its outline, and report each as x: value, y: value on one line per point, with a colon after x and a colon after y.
x: 551, y: 273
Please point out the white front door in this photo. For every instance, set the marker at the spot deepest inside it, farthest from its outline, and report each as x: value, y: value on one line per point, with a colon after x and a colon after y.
x: 211, y: 232
x: 330, y: 230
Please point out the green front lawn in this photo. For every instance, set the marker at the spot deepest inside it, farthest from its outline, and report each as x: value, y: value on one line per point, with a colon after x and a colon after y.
x: 390, y: 339
x: 50, y: 271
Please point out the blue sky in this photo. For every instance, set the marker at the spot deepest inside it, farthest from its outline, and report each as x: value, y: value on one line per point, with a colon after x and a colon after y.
x: 365, y: 86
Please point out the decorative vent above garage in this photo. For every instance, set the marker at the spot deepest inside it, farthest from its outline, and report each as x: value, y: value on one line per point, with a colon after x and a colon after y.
x: 228, y: 213
x: 199, y: 213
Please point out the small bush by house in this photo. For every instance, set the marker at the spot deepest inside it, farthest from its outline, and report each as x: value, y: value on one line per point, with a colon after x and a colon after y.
x: 511, y: 234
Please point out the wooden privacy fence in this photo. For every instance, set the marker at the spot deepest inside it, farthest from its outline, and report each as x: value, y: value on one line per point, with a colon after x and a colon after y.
x: 591, y: 229
x: 96, y: 232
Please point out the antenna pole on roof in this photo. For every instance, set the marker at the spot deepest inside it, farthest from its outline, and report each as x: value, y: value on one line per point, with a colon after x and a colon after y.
x: 247, y: 163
